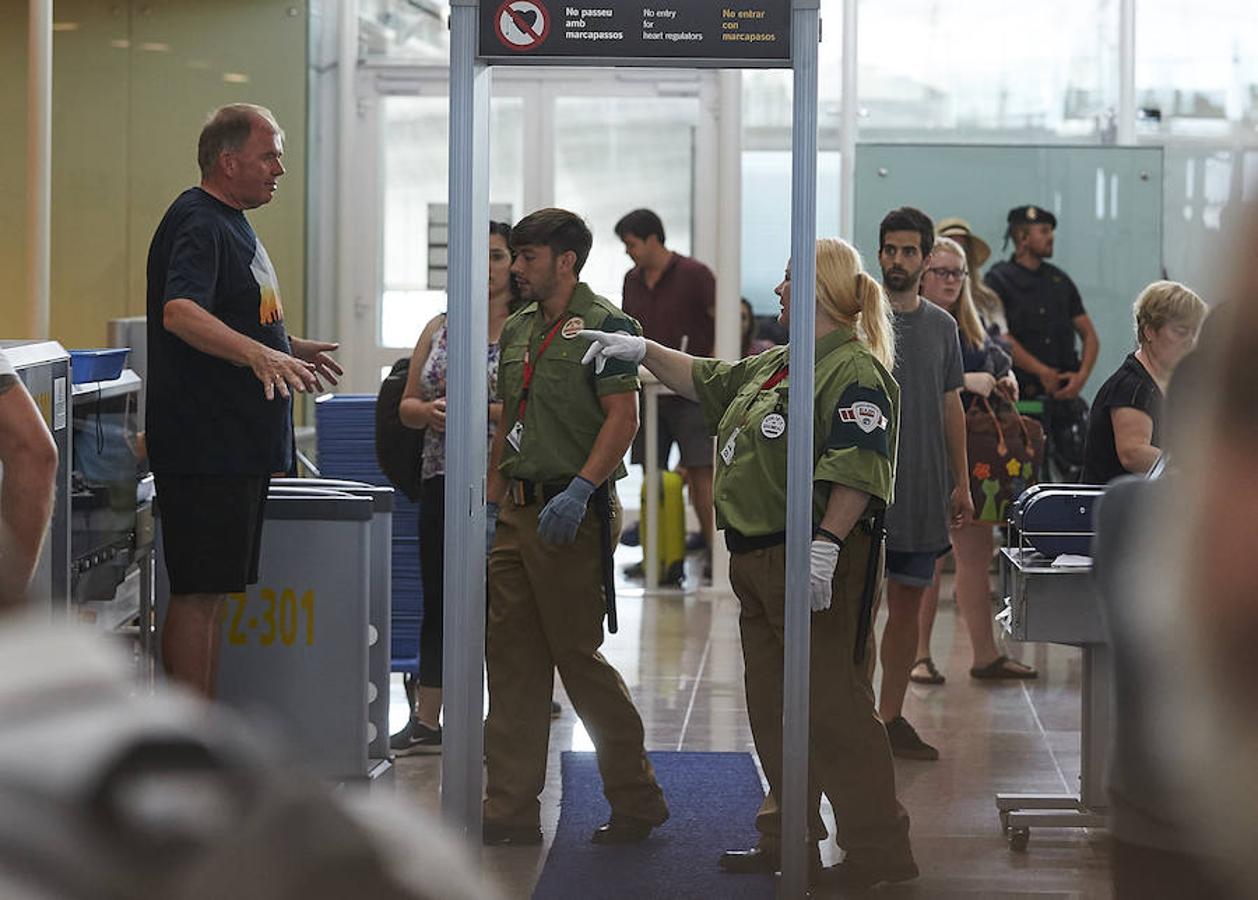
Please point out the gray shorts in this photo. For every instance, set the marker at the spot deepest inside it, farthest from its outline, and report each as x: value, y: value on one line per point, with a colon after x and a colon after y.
x: 680, y: 422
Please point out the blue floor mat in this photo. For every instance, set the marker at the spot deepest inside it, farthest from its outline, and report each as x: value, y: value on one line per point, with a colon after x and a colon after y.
x: 712, y: 798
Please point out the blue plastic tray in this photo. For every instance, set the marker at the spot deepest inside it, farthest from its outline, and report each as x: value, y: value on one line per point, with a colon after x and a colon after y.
x: 97, y: 365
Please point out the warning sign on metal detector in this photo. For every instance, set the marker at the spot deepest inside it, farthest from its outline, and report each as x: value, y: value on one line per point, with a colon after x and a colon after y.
x: 716, y: 33
x: 521, y: 25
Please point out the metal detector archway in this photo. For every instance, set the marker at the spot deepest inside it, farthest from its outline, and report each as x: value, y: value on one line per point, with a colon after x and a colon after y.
x: 694, y: 33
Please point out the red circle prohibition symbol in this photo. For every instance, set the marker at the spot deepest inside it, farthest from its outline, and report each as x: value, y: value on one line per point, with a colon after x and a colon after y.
x: 508, y: 10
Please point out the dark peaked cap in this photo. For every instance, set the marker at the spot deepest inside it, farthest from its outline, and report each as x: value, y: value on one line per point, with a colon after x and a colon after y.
x: 1030, y: 215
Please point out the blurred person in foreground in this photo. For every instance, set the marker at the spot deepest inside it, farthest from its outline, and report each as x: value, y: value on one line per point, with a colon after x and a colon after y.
x: 28, y: 458
x: 1195, y: 573
x: 111, y: 792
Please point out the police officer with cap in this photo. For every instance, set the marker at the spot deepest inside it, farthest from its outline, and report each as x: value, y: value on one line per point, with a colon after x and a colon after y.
x: 856, y: 420
x: 1044, y: 311
x: 555, y: 458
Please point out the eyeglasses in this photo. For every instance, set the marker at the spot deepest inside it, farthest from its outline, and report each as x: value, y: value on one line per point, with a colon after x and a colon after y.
x: 947, y: 274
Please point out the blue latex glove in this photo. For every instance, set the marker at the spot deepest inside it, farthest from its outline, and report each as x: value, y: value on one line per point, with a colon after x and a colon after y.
x: 491, y: 526
x: 562, y: 516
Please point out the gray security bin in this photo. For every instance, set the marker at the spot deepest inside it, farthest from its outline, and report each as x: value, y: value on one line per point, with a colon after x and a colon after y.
x: 295, y: 645
x: 380, y: 607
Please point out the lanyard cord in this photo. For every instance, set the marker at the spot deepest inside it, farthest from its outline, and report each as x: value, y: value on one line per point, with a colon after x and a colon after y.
x: 530, y: 367
x: 771, y: 382
x: 776, y: 378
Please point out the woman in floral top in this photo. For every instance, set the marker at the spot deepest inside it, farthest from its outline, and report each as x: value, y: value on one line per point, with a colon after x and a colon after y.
x: 424, y: 406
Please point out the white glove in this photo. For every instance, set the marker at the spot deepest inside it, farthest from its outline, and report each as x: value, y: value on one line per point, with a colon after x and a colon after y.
x: 825, y: 557
x: 605, y: 345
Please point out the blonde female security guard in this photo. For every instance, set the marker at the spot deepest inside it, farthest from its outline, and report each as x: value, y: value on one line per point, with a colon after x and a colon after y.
x: 856, y: 415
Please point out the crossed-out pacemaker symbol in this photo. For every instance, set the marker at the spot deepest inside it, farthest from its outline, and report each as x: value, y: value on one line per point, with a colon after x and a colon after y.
x: 522, y: 25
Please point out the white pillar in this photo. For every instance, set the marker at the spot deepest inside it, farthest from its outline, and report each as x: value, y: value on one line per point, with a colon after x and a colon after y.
x: 39, y: 170
x: 729, y: 178
x: 849, y: 109
x: 1126, y: 72
x: 347, y: 299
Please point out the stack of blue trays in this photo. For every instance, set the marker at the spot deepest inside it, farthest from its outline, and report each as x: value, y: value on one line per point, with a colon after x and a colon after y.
x: 345, y: 427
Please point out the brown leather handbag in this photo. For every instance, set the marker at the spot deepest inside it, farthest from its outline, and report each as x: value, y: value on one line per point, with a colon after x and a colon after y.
x: 1005, y: 450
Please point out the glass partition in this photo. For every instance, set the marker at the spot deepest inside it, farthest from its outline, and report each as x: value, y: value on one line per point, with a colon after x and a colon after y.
x: 1210, y: 191
x: 1108, y: 203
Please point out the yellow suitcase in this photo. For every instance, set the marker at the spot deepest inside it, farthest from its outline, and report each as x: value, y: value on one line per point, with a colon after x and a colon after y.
x: 671, y: 550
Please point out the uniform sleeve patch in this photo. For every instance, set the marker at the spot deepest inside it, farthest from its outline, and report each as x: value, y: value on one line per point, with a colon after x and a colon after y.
x: 622, y: 324
x: 861, y: 420
x: 619, y: 368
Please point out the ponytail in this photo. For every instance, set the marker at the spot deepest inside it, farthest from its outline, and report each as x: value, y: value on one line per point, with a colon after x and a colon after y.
x: 850, y: 297
x: 875, y: 324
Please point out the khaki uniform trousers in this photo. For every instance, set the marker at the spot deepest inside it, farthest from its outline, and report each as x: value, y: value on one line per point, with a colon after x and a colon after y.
x: 545, y: 613
x: 849, y: 758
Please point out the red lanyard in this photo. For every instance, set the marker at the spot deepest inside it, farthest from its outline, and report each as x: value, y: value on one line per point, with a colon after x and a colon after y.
x: 530, y: 367
x: 772, y: 381
x: 776, y: 378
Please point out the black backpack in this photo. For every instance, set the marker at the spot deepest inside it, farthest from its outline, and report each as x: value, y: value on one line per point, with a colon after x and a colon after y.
x: 399, y: 449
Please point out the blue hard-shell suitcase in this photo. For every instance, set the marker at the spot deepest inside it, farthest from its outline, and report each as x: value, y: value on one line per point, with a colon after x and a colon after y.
x: 1056, y: 518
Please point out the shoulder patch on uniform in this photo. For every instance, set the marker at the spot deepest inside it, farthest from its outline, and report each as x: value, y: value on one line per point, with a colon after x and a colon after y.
x: 861, y: 419
x: 619, y: 323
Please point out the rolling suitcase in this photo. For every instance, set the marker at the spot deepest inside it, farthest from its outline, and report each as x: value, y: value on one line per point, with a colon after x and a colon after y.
x: 671, y: 548
x: 1055, y: 518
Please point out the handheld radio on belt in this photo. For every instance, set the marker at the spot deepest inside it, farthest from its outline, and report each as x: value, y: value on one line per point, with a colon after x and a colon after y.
x: 604, y: 511
x: 877, y: 533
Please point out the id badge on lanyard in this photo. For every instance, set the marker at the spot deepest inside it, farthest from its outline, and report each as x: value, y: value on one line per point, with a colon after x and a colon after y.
x: 774, y: 425
x: 515, y: 437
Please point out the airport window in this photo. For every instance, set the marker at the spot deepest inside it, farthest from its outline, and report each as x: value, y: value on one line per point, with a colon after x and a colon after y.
x: 616, y: 154
x: 416, y: 175
x: 415, y: 30
x: 1196, y: 67
x: 987, y: 70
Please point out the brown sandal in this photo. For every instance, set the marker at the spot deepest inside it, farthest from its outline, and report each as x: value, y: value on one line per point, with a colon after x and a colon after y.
x: 933, y: 677
x: 1002, y: 667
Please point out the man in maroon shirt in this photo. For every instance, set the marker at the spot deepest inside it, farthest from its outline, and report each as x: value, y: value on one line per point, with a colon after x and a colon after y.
x: 674, y: 298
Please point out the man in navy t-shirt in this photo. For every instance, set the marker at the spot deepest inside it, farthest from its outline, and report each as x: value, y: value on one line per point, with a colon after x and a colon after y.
x: 221, y: 370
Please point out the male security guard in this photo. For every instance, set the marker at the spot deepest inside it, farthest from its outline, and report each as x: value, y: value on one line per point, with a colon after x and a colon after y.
x: 555, y: 458
x: 1045, y: 314
x: 855, y: 424
x: 1044, y: 309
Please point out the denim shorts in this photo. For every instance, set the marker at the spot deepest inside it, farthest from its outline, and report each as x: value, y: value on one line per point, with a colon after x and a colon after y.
x: 912, y: 568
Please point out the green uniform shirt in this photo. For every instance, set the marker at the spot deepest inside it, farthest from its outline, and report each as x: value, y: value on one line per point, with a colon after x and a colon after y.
x: 562, y: 416
x: 856, y: 419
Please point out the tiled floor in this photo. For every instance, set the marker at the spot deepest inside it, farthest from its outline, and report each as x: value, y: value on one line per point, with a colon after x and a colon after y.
x: 679, y: 654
